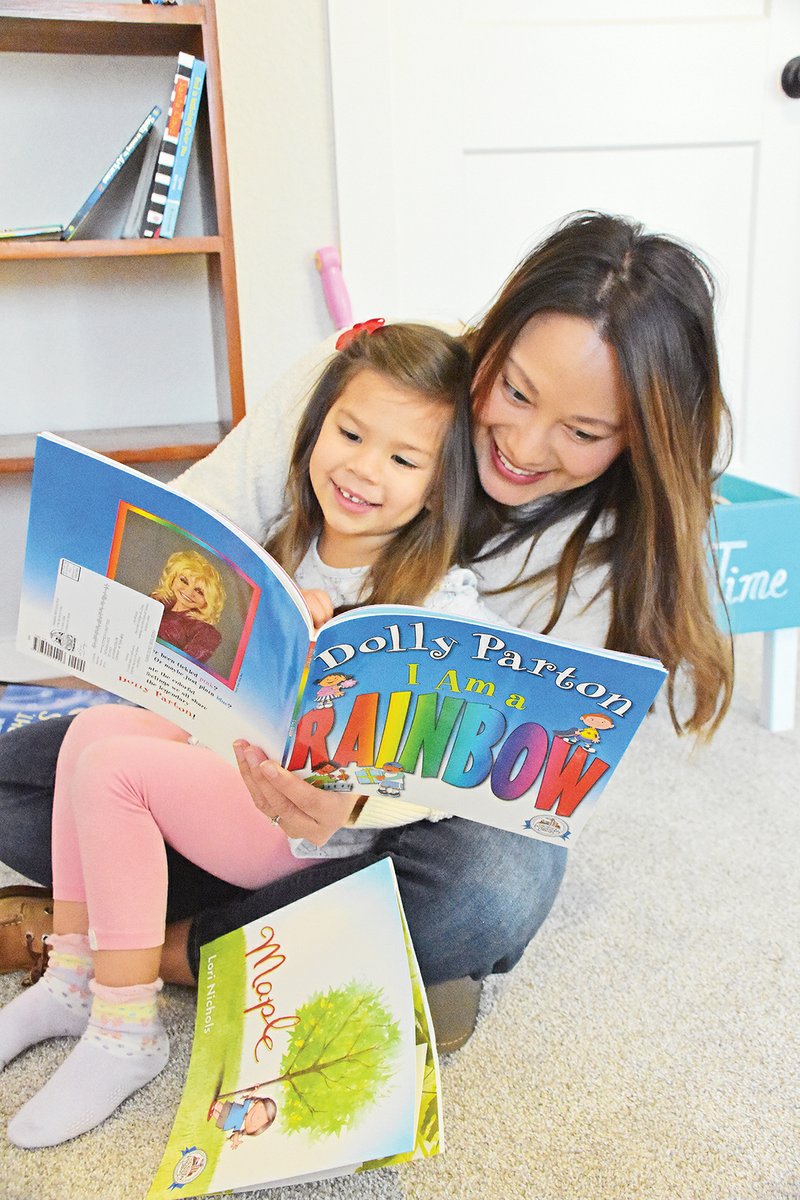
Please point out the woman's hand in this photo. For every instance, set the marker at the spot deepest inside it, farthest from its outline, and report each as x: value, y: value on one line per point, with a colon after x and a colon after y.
x: 319, y: 604
x: 302, y: 811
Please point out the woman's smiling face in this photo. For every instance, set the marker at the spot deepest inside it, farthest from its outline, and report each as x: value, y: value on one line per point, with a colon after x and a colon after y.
x: 189, y: 590
x: 553, y: 419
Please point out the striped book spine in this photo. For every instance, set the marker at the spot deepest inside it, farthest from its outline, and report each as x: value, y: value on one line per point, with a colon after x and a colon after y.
x: 165, y: 163
x: 188, y: 124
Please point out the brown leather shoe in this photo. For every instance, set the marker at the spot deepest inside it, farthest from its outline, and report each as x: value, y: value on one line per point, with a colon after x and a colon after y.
x: 26, y: 914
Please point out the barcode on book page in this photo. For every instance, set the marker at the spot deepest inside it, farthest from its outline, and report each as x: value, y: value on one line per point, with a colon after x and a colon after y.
x: 73, y: 661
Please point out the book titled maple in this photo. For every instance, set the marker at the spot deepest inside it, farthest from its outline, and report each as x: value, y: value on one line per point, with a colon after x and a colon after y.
x: 314, y: 1053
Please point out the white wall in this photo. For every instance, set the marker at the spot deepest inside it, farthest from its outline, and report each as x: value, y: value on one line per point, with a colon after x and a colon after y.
x: 276, y: 92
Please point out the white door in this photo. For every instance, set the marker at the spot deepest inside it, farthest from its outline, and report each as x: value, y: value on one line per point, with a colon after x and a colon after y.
x: 465, y: 128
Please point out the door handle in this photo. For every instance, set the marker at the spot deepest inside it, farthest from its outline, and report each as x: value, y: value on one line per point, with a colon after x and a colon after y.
x: 790, y: 78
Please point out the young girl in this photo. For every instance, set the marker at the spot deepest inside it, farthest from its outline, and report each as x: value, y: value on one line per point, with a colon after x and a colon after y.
x: 379, y: 487
x: 193, y: 595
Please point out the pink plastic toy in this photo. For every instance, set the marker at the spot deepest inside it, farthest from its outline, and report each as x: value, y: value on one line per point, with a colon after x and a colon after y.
x: 333, y: 286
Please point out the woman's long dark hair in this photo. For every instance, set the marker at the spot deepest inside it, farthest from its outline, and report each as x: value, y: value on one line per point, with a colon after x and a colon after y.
x: 431, y: 363
x: 651, y: 299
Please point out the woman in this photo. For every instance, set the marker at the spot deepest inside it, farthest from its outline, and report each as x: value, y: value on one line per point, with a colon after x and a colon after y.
x: 193, y: 595
x: 597, y: 415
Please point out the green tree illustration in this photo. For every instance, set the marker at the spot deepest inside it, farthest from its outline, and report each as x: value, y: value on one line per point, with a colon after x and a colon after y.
x: 340, y: 1056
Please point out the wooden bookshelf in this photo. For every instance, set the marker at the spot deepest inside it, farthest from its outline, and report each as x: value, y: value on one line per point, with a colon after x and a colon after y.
x: 41, y: 34
x: 61, y: 28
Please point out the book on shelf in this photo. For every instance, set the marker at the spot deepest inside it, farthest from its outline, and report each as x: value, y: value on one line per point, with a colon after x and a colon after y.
x: 141, y: 192
x: 35, y: 233
x: 165, y: 161
x: 102, y: 186
x: 314, y: 1053
x: 27, y: 703
x: 183, y: 150
x: 510, y: 728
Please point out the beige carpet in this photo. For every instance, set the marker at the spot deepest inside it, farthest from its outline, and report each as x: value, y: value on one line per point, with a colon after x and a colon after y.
x: 646, y: 1046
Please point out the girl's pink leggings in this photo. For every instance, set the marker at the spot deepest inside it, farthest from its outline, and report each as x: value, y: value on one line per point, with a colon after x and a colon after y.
x: 128, y: 781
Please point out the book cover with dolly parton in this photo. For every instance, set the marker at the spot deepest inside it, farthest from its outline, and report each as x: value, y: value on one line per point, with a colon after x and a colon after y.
x: 154, y: 597
x: 313, y: 1052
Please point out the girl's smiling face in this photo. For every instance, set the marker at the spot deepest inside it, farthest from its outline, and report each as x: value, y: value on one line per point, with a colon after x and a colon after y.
x: 554, y: 417
x: 372, y: 465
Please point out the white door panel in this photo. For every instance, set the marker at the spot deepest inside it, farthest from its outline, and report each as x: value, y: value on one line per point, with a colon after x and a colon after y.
x: 465, y: 130
x: 611, y: 84
x: 611, y: 10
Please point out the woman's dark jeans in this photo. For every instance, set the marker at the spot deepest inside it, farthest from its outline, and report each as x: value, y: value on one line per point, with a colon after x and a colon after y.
x: 473, y: 896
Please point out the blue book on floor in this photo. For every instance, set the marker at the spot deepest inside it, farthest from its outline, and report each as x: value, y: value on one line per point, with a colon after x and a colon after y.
x: 25, y: 704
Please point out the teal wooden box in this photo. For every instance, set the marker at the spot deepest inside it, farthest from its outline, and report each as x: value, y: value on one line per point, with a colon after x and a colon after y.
x: 757, y: 542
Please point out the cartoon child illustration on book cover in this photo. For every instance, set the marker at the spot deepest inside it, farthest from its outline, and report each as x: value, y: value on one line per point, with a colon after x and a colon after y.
x: 246, y: 1115
x: 330, y: 777
x: 331, y: 687
x: 394, y: 780
x: 588, y: 734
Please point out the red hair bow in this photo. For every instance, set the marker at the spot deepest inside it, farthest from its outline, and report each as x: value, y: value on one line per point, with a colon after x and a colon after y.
x: 344, y: 339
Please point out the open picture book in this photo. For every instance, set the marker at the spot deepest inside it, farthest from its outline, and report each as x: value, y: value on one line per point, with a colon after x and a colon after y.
x: 314, y: 1053
x: 513, y: 729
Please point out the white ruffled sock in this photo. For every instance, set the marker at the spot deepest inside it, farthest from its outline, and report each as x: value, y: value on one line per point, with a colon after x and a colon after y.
x: 124, y: 1047
x: 57, y: 1005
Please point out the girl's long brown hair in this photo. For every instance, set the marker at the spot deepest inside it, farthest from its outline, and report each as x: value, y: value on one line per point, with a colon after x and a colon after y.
x: 651, y: 299
x: 426, y: 361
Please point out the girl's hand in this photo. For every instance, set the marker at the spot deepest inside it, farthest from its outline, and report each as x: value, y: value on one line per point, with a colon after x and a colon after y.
x: 319, y: 604
x: 302, y: 811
